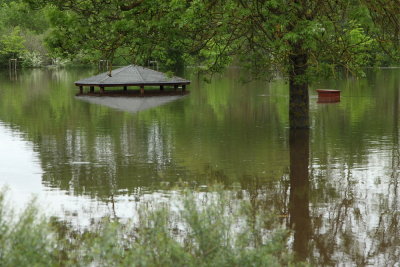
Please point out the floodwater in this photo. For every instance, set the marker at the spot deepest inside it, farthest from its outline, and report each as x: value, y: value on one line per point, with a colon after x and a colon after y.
x: 335, y: 185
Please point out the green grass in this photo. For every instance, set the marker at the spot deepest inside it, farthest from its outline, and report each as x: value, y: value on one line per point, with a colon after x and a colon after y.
x: 216, y: 231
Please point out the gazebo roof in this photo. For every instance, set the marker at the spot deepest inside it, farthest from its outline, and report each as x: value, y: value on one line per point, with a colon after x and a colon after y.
x: 132, y: 75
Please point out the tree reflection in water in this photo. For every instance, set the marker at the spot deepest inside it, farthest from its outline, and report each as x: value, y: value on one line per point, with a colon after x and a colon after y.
x: 345, y: 231
x: 299, y: 192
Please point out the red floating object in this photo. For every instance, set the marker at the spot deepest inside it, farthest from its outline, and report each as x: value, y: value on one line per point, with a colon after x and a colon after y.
x: 328, y: 96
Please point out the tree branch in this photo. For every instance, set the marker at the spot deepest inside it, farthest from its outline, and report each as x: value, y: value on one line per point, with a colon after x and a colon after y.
x: 131, y: 6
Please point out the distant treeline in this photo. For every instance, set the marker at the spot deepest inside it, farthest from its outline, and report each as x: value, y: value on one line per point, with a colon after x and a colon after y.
x: 22, y: 34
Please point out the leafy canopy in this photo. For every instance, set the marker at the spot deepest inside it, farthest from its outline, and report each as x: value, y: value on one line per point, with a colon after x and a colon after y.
x: 13, y: 44
x: 261, y: 33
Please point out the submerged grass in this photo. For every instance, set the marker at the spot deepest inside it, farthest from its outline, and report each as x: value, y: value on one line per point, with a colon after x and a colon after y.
x: 211, y: 230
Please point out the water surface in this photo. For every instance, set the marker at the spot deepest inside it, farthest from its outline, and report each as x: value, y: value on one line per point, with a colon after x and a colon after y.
x: 336, y: 185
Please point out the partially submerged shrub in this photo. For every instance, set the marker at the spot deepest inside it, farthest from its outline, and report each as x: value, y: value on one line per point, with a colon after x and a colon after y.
x: 204, y: 229
x: 25, y: 239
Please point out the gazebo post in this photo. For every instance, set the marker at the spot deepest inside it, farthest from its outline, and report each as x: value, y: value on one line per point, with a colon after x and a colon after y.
x: 80, y: 89
x: 175, y: 87
x: 92, y: 89
x: 161, y: 87
x: 125, y: 88
x: 142, y: 90
x: 101, y: 90
x: 183, y: 87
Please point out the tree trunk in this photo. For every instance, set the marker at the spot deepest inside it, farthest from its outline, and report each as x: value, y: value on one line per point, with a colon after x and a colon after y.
x: 298, y: 90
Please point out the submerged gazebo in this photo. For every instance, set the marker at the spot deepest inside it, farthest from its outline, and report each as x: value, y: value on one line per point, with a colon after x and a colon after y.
x: 132, y: 75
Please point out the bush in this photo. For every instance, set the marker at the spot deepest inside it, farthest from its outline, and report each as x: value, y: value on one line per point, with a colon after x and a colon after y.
x: 216, y: 231
x: 32, y: 59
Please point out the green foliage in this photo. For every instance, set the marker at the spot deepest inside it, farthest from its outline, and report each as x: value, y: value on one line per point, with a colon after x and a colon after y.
x: 32, y: 59
x: 12, y: 45
x: 210, y: 34
x: 217, y: 232
x: 18, y: 13
x: 385, y: 15
x: 21, y: 32
x: 104, y: 31
x: 25, y: 239
x: 352, y: 50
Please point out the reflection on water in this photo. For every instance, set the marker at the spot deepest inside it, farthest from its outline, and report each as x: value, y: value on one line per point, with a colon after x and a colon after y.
x: 131, y: 104
x: 336, y: 185
x: 299, y: 192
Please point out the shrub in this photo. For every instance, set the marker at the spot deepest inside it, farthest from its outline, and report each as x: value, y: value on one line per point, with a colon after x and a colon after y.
x: 204, y: 229
x: 32, y: 59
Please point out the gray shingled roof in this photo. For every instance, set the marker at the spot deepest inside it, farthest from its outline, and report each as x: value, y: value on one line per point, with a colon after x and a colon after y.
x: 132, y: 75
